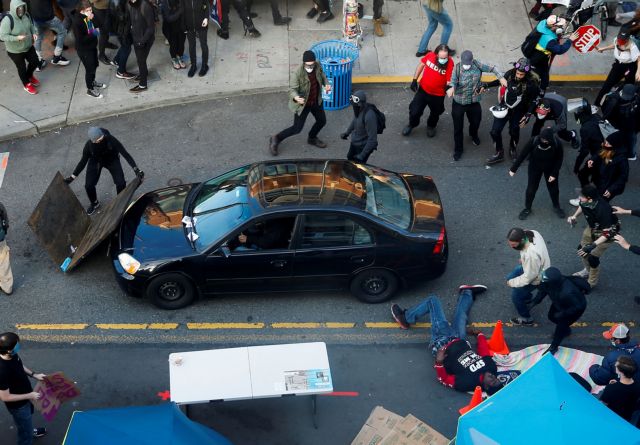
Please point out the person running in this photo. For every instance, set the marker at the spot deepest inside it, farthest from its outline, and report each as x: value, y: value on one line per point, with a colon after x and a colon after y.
x: 466, y: 89
x: 545, y: 159
x: 602, y: 227
x: 143, y: 25
x: 196, y: 20
x: 18, y: 33
x: 553, y: 107
x: 525, y: 277
x: 625, y: 66
x: 44, y: 18
x: 363, y: 129
x: 435, y: 71
x: 305, y: 96
x: 436, y: 14
x: 86, y: 35
x: 102, y: 150
x: 519, y: 99
x: 173, y: 30
x: 568, y: 302
x: 457, y: 365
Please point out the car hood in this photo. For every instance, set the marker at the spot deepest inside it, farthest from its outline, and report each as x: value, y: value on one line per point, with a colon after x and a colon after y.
x: 428, y: 215
x: 152, y: 228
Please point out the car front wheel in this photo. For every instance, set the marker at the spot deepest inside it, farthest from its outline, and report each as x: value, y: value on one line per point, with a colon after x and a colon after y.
x: 171, y: 291
x: 374, y: 285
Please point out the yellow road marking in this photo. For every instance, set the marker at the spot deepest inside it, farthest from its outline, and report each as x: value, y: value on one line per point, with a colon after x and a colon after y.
x: 225, y: 325
x: 123, y: 326
x: 339, y: 325
x: 53, y: 327
x: 608, y: 324
x: 296, y: 325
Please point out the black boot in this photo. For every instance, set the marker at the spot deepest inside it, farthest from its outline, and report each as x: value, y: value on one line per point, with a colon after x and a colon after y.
x: 496, y: 158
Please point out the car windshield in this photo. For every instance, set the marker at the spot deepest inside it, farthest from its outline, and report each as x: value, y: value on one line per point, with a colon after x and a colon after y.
x: 387, y: 197
x: 220, y: 206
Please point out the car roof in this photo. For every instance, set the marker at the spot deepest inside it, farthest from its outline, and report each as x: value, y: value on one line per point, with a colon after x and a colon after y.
x: 309, y: 183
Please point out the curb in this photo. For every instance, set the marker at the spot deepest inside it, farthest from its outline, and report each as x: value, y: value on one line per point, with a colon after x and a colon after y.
x: 562, y: 78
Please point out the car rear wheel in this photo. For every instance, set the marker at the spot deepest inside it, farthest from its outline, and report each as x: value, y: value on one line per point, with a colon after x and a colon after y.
x: 171, y: 291
x: 374, y: 285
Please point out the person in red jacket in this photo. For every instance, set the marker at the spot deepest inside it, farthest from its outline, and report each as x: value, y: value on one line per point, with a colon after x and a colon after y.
x: 457, y: 365
x: 436, y: 69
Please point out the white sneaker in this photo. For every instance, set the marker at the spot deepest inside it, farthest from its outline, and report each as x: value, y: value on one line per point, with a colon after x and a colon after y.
x: 584, y: 273
x: 575, y: 202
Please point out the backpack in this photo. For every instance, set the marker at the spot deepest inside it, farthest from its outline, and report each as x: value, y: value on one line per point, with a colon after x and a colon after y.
x: 528, y: 47
x: 6, y: 14
x: 382, y: 119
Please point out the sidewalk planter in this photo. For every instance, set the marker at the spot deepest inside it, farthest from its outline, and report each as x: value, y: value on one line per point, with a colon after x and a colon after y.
x: 337, y: 58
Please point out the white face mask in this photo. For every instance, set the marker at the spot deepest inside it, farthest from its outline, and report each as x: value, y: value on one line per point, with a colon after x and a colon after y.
x: 308, y: 69
x: 541, y: 116
x: 466, y: 67
x: 442, y: 61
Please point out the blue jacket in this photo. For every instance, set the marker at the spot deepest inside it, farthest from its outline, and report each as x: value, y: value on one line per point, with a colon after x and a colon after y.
x: 548, y: 42
x: 601, y: 374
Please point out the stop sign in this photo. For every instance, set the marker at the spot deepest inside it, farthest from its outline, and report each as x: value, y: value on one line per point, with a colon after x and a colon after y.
x: 588, y: 40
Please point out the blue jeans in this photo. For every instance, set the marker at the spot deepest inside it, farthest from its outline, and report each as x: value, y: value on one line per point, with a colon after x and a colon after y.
x: 435, y: 18
x: 441, y: 331
x: 22, y: 419
x: 56, y: 26
x: 521, y: 296
x: 122, y: 56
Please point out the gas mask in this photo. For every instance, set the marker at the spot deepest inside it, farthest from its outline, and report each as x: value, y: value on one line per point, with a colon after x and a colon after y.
x: 521, y: 244
x: 559, y: 31
x: 541, y: 116
x: 466, y: 67
x: 15, y: 349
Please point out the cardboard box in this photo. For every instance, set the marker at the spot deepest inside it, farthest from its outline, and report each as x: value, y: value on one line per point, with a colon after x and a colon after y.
x: 379, y: 424
x: 386, y: 428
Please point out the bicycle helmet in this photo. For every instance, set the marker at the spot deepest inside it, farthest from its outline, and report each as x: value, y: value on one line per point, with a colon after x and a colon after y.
x: 523, y: 65
x: 499, y: 111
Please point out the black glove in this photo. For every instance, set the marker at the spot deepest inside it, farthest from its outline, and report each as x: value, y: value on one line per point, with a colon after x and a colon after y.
x: 414, y: 85
x: 588, y: 248
x: 139, y: 173
x: 68, y: 180
x: 344, y: 136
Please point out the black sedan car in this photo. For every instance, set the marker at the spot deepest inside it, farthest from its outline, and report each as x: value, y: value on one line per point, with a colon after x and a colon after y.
x: 282, y: 225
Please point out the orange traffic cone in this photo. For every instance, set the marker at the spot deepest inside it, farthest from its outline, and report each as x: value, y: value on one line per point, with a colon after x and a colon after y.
x: 476, y: 400
x: 497, y: 345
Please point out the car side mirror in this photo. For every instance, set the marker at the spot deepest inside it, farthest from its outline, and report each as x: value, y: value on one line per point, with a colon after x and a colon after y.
x: 225, y: 251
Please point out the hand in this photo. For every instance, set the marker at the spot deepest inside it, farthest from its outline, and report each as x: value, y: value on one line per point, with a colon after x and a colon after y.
x: 21, y: 37
x: 139, y: 173
x: 242, y: 238
x: 525, y: 120
x: 620, y: 211
x: 572, y: 220
x: 39, y: 376
x: 599, y: 49
x: 503, y: 82
x: 414, y: 85
x: 586, y: 250
x: 69, y: 179
x: 623, y: 242
x: 590, y: 163
x: 34, y: 396
x: 344, y: 136
x: 205, y: 22
x: 450, y: 92
x: 606, y: 193
x: 574, y: 36
x: 551, y: 179
x: 440, y: 355
x: 637, y: 76
x: 299, y: 99
x: 512, y: 173
x: 327, y: 88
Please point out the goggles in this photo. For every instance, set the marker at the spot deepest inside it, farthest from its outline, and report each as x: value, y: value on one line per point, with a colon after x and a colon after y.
x: 354, y: 99
x: 522, y: 67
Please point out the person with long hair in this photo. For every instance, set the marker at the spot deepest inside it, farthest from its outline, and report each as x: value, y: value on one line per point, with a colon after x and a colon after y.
x: 625, y: 65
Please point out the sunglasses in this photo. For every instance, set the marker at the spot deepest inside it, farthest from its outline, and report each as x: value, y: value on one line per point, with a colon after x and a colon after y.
x: 354, y: 99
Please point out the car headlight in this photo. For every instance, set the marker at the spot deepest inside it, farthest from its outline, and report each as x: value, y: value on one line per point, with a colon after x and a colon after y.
x: 129, y: 263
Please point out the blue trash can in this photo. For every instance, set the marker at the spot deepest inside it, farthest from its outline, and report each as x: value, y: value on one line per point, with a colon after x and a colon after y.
x: 337, y: 58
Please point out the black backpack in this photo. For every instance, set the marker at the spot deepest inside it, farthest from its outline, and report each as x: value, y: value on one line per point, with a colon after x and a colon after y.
x: 382, y: 119
x: 6, y: 14
x: 528, y: 47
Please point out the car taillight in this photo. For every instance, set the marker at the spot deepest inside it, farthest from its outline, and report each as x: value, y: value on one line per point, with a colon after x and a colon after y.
x: 439, y: 247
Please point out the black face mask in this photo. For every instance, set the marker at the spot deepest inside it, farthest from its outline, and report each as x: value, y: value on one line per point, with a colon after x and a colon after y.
x: 543, y: 145
x: 356, y: 109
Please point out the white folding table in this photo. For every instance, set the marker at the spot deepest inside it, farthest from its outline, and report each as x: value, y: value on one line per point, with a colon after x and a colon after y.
x: 249, y: 373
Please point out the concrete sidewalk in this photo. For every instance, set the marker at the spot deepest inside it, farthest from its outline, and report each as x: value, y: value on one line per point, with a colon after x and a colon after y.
x: 492, y: 29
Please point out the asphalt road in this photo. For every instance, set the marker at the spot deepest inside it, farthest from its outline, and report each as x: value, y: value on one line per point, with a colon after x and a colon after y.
x: 385, y: 365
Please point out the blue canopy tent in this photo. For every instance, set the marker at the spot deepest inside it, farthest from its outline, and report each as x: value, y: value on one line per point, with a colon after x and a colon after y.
x: 545, y: 405
x: 139, y: 425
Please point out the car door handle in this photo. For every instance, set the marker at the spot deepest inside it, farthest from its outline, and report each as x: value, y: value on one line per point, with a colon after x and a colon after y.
x: 358, y: 259
x: 278, y: 263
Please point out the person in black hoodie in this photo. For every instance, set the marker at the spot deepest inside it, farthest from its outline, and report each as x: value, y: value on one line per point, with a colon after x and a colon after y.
x: 363, y: 129
x: 611, y: 166
x: 121, y: 24
x: 86, y: 35
x: 173, y: 30
x: 622, y: 109
x: 591, y: 138
x: 546, y: 159
x: 567, y: 302
x: 102, y: 150
x: 196, y: 18
x: 143, y: 26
